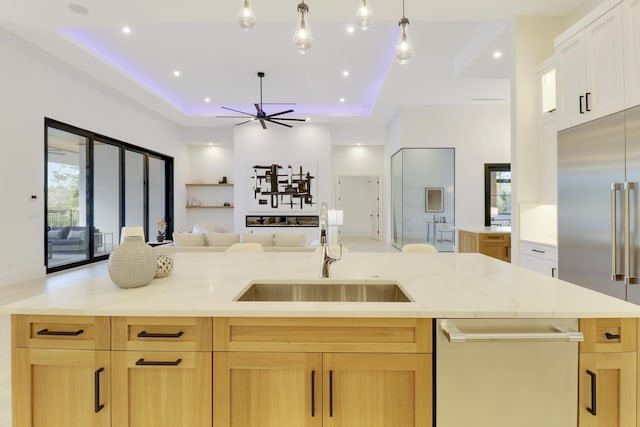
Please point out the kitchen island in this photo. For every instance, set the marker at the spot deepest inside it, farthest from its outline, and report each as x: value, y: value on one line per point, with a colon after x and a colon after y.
x: 182, y: 351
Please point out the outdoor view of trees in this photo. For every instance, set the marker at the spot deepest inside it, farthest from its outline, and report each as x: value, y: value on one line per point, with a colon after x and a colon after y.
x: 63, y: 194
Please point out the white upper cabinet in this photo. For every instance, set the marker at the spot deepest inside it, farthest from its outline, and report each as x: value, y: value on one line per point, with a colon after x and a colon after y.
x: 591, y: 70
x: 632, y: 51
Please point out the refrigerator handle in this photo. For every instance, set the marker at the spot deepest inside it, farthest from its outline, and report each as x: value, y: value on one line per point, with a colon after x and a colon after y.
x: 628, y: 279
x: 615, y: 277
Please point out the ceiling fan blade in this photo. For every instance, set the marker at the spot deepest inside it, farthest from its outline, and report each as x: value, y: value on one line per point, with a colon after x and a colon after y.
x: 238, y: 111
x: 264, y: 125
x: 280, y: 113
x: 234, y: 117
x: 278, y: 123
x: 246, y: 121
x: 288, y: 119
x: 259, y: 109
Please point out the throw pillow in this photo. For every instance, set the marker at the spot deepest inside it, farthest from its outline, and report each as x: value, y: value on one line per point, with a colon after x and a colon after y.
x: 223, y: 239
x: 76, y: 234
x: 207, y: 228
x: 188, y: 239
x: 54, y: 234
x: 264, y: 239
x: 288, y: 239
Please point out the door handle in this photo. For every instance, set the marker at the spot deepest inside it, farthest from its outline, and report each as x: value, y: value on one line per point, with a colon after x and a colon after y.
x: 60, y: 333
x: 331, y: 393
x: 580, y: 102
x: 586, y: 101
x: 615, y: 276
x: 594, y: 385
x: 628, y: 278
x: 96, y: 393
x: 142, y: 362
x: 313, y: 393
x: 145, y: 334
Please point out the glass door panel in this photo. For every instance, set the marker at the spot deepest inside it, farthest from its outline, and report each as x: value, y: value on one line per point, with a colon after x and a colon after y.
x: 106, y: 197
x: 157, y: 201
x: 134, y: 190
x: 66, y: 200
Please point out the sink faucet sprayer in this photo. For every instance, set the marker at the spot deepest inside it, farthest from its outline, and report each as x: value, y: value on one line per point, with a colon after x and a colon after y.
x: 327, y: 259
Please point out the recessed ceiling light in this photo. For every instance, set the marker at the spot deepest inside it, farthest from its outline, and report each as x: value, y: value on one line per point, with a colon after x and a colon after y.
x: 210, y: 144
x: 342, y: 100
x: 497, y: 54
x: 207, y: 100
x: 308, y: 119
x: 176, y: 73
x: 359, y: 144
x: 345, y: 73
x: 78, y: 8
x: 126, y: 30
x: 350, y: 29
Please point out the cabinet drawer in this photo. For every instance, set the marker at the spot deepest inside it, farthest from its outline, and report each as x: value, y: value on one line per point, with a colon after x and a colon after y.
x: 608, y: 335
x: 495, y: 238
x: 162, y: 333
x: 323, y: 335
x: 67, y: 332
x: 541, y: 251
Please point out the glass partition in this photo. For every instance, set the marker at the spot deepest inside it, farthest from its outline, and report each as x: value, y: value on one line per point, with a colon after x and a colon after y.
x: 423, y: 197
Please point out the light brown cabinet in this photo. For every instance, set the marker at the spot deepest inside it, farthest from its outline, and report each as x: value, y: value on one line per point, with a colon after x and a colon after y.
x: 495, y: 245
x: 61, y: 371
x: 322, y: 372
x: 608, y: 373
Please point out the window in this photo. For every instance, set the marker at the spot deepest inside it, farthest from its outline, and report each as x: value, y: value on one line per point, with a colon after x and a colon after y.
x: 497, y: 194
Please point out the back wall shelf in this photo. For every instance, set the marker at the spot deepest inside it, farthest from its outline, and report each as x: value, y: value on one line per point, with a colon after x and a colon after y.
x: 201, y: 184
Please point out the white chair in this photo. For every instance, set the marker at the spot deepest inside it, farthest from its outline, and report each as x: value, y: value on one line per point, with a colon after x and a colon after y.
x: 245, y: 247
x: 444, y: 227
x: 419, y: 247
x: 129, y: 231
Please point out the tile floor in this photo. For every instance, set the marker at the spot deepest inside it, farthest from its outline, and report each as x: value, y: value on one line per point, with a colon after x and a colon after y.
x: 14, y: 292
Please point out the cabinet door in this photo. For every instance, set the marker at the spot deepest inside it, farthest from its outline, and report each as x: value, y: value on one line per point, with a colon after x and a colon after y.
x: 496, y: 246
x: 571, y: 80
x: 605, y: 65
x: 377, y: 390
x: 61, y: 388
x: 540, y: 265
x: 268, y: 389
x: 161, y: 389
x: 632, y: 52
x: 607, y: 390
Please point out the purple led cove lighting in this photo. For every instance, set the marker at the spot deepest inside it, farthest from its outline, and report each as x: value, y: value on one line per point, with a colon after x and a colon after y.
x: 83, y: 39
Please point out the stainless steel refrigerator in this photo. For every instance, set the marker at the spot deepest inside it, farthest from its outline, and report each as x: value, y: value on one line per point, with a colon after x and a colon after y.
x: 599, y: 205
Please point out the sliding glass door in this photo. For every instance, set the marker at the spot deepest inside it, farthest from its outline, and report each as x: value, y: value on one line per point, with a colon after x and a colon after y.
x: 95, y: 186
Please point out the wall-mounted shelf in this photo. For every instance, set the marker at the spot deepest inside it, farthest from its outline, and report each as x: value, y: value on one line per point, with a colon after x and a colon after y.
x: 208, y: 207
x: 199, y: 184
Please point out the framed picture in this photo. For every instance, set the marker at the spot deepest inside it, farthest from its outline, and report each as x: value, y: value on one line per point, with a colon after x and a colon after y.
x: 434, y: 199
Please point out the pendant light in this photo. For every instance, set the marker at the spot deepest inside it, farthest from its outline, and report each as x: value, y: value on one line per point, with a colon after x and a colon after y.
x: 247, y: 17
x: 302, y: 37
x: 404, y: 48
x: 364, y: 16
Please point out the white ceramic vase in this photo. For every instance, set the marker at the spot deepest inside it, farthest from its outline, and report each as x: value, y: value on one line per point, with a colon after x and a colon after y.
x: 132, y: 264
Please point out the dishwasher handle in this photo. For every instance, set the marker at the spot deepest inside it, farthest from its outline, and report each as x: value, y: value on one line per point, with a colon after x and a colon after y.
x: 455, y: 335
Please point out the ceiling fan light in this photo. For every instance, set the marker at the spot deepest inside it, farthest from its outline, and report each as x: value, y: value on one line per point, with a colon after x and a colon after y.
x: 302, y: 37
x: 404, y: 47
x: 364, y: 16
x: 247, y: 18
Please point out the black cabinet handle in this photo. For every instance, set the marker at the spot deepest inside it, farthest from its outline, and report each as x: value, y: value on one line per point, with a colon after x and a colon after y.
x: 592, y: 409
x: 96, y: 394
x: 313, y: 393
x: 142, y: 362
x: 331, y: 393
x: 145, y: 334
x: 553, y: 271
x: 581, y: 109
x: 586, y: 100
x: 60, y: 333
x: 538, y: 251
x: 612, y: 336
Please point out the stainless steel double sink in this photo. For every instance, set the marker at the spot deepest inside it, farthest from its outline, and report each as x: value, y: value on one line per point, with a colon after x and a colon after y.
x: 325, y: 291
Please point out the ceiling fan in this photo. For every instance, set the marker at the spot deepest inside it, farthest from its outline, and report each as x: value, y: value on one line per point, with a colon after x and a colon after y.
x: 260, y: 113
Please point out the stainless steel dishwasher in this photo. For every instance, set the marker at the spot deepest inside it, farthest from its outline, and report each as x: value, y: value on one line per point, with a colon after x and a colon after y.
x: 507, y: 372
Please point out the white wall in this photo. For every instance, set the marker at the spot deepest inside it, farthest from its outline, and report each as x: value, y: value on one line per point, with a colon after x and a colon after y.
x: 34, y: 85
x: 309, y: 142
x: 480, y: 134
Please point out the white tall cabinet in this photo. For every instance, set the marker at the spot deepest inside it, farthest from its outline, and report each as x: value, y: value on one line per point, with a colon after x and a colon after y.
x: 591, y: 68
x: 631, y: 9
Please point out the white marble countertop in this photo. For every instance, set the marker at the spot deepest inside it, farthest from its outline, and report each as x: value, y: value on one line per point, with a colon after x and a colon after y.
x: 445, y: 285
x: 485, y: 229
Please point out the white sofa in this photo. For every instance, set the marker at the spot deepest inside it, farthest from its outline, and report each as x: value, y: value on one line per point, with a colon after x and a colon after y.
x: 210, y: 238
